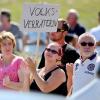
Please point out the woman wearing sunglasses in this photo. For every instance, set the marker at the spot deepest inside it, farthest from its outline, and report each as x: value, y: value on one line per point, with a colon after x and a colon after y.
x: 51, y: 78
x: 85, y: 68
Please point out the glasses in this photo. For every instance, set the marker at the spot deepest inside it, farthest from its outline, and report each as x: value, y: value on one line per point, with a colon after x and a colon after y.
x: 52, y: 51
x: 90, y: 44
x: 60, y: 30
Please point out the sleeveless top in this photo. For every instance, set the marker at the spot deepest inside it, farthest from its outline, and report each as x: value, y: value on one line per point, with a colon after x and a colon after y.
x: 10, y: 70
x: 61, y: 90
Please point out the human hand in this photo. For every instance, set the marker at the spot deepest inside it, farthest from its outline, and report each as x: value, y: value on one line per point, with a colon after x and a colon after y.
x: 31, y: 64
x: 24, y: 68
x: 6, y: 81
x: 69, y: 69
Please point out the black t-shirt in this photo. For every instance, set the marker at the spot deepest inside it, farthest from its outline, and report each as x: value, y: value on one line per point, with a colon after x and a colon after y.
x: 78, y: 30
x: 60, y: 90
x: 70, y: 55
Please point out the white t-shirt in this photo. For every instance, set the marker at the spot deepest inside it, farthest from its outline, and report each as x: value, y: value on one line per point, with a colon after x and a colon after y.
x: 96, y: 32
x: 85, y: 72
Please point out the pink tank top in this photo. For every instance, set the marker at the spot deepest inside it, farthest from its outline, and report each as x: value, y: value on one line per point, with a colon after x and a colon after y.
x: 11, y: 70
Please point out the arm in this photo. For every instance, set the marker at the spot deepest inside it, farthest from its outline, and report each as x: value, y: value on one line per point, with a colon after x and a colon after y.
x: 69, y: 69
x: 23, y: 83
x: 70, y: 91
x: 52, y: 83
x: 26, y: 78
x: 14, y: 85
x: 69, y: 84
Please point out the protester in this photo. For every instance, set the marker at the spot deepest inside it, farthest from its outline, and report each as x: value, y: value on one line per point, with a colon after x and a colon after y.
x: 70, y: 55
x: 85, y: 68
x: 51, y: 78
x: 74, y: 25
x: 7, y: 25
x: 96, y: 31
x: 11, y: 69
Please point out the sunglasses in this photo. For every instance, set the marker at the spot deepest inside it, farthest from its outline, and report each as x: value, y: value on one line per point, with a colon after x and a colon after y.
x: 52, y: 51
x: 90, y: 44
x: 60, y: 30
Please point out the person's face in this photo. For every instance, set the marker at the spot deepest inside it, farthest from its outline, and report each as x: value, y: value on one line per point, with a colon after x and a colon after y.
x: 7, y: 46
x: 74, y: 42
x: 59, y: 35
x: 71, y: 19
x: 3, y: 19
x: 52, y: 53
x: 56, y: 36
x: 86, y: 46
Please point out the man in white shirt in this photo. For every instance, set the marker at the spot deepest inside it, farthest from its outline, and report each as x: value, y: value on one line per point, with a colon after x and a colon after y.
x: 96, y: 32
x: 85, y: 68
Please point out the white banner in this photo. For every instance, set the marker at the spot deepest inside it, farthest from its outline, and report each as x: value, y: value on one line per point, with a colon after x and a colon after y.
x: 40, y: 17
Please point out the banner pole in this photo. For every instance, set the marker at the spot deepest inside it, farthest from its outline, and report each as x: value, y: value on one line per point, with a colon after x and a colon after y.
x: 37, y: 47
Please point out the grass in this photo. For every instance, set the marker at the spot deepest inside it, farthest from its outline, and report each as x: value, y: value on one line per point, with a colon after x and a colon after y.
x: 88, y: 9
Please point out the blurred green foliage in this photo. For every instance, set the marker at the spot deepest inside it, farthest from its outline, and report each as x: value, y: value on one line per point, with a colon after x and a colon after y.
x: 88, y: 9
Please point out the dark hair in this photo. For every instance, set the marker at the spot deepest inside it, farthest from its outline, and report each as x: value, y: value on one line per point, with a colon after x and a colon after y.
x: 65, y: 26
x: 69, y: 38
x: 6, y: 13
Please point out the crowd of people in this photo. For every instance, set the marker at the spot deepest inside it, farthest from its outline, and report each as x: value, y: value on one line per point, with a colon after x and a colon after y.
x: 68, y: 63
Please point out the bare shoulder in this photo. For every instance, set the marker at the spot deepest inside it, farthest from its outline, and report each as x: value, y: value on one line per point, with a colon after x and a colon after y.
x: 59, y: 73
x: 18, y: 57
x: 38, y: 70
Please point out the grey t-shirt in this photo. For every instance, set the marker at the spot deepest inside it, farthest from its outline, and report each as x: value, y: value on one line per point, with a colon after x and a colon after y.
x: 13, y: 29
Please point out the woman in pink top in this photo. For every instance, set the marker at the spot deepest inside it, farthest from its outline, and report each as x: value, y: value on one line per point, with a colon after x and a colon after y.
x: 11, y: 70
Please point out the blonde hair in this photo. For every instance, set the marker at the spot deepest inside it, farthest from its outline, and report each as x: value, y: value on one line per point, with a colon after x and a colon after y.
x: 5, y: 35
x: 73, y: 11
